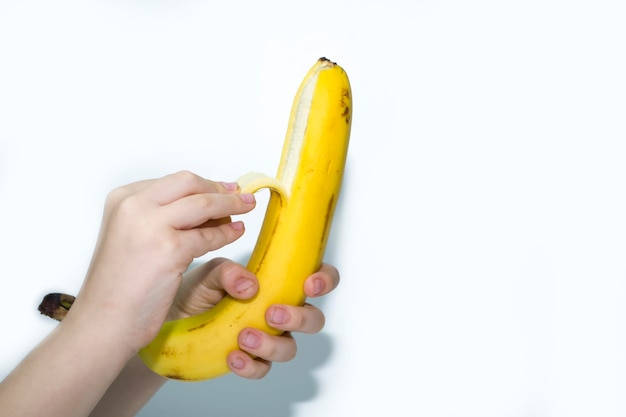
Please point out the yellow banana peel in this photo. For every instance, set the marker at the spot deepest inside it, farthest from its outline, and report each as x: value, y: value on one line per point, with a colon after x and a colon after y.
x: 293, y: 237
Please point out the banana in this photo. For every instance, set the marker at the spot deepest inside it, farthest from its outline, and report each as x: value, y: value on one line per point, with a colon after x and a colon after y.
x: 293, y: 236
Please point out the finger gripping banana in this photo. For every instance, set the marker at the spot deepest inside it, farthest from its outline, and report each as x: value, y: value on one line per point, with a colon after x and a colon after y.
x: 293, y: 237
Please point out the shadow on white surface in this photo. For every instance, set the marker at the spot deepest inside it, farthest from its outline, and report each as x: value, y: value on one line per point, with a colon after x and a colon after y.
x: 231, y: 396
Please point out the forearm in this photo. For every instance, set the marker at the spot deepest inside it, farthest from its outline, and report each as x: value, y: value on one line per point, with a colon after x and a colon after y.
x: 66, y: 374
x: 132, y: 389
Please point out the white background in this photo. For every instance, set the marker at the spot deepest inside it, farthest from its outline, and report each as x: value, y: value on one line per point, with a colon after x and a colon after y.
x: 481, y: 234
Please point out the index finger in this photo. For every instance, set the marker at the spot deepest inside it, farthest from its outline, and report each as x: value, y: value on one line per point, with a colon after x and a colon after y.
x: 181, y: 184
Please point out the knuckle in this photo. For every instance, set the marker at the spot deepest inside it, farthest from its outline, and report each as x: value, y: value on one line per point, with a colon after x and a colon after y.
x: 122, y: 196
x: 312, y: 319
x: 115, y: 196
x: 260, y: 370
x: 271, y: 351
x: 187, y: 178
x: 331, y: 275
x: 299, y: 320
x: 291, y: 354
x: 212, y: 239
x: 282, y: 349
x: 231, y: 270
x: 172, y: 250
x: 337, y: 276
x: 124, y: 207
x: 205, y: 202
x: 128, y: 204
x: 320, y: 325
x: 171, y: 244
x: 215, y: 264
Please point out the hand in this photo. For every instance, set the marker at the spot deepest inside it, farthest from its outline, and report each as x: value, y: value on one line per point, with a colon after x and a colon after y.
x: 150, y: 233
x: 205, y: 285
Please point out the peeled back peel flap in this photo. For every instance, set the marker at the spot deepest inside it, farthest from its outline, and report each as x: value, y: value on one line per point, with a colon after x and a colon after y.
x: 254, y: 181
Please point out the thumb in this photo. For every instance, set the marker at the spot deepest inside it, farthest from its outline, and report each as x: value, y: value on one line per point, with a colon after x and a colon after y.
x: 205, y: 285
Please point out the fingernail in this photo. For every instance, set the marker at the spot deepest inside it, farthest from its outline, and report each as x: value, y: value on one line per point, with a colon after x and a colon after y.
x: 279, y: 316
x: 237, y: 225
x: 238, y: 363
x: 243, y: 284
x: 247, y: 197
x: 318, y: 286
x: 230, y: 186
x: 251, y: 340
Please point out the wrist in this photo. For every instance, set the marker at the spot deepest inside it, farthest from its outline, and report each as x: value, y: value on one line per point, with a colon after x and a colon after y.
x: 101, y: 329
x: 75, y: 364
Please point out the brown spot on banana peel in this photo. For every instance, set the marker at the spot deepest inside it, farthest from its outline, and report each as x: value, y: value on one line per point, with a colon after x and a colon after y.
x: 346, y: 114
x: 327, y: 219
x: 193, y: 329
x: 177, y: 375
x: 346, y: 99
x: 56, y: 305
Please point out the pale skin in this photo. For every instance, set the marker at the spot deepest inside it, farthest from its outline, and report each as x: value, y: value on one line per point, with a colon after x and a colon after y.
x: 151, y: 232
